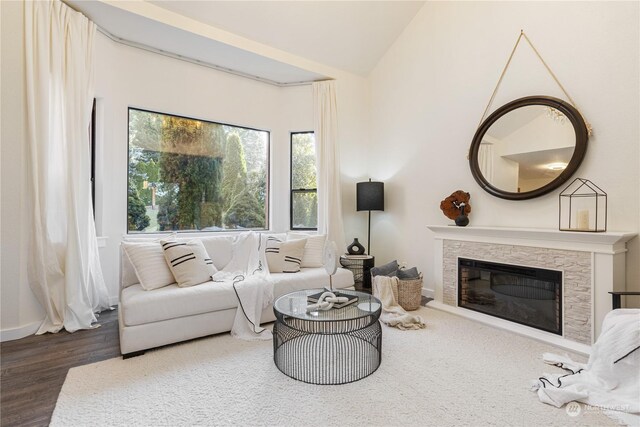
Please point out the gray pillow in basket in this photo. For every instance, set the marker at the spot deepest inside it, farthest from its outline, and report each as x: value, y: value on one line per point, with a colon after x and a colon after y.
x: 386, y: 269
x: 408, y: 273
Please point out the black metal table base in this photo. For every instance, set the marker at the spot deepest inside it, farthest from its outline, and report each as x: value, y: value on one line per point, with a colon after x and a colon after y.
x: 327, y: 352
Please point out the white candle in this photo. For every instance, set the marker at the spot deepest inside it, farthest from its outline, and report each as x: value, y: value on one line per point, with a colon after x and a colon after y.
x: 582, y: 219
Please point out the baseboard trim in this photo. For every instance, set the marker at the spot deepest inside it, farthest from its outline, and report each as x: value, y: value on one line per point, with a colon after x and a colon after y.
x: 31, y: 328
x: 429, y: 293
x: 514, y: 327
x: 19, y: 332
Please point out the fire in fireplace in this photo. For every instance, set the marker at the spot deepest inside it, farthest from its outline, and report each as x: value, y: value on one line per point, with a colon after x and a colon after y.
x: 525, y: 295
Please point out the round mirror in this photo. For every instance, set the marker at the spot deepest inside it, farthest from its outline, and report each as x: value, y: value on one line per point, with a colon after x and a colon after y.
x: 528, y: 147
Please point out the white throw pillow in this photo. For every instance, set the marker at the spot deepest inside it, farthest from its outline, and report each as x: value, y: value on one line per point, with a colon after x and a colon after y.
x: 220, y: 249
x: 284, y: 257
x: 313, y: 249
x: 188, y: 261
x: 149, y: 264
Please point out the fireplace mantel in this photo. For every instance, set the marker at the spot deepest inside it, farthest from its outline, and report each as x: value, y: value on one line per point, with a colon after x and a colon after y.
x: 610, y: 242
x: 605, y: 265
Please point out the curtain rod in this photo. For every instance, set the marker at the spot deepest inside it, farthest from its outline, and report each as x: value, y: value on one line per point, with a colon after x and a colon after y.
x: 197, y: 61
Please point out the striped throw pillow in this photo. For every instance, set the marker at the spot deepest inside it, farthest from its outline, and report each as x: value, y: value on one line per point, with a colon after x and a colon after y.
x: 149, y: 264
x: 284, y: 257
x: 313, y: 249
x: 188, y: 261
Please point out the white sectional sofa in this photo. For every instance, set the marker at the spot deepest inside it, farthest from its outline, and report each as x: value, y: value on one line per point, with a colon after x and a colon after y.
x: 171, y: 314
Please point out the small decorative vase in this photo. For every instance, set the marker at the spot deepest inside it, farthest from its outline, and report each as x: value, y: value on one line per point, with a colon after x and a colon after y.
x: 462, y: 220
x: 355, y: 248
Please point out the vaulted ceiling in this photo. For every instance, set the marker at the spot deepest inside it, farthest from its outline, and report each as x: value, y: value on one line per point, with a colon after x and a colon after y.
x: 283, y: 42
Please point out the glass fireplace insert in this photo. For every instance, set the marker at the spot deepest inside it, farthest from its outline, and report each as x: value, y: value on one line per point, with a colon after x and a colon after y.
x: 526, y: 295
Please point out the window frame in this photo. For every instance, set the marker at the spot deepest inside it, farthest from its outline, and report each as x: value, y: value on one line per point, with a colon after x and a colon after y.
x: 294, y: 191
x: 267, y: 204
x: 92, y: 143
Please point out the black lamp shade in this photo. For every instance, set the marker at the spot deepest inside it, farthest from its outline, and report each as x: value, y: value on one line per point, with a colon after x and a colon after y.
x: 370, y: 196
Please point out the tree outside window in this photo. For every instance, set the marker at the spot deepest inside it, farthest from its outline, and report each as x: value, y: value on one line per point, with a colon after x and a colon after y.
x: 194, y: 175
x: 304, y: 197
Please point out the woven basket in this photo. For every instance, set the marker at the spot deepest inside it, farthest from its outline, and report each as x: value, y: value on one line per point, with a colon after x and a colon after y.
x: 410, y: 293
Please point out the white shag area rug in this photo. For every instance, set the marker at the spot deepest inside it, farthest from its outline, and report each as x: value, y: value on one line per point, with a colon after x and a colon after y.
x: 453, y: 373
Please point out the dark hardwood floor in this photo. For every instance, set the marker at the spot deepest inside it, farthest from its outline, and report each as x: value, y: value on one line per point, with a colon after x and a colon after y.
x: 34, y: 368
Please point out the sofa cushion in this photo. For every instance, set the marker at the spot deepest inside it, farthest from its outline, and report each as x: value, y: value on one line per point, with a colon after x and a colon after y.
x: 139, y: 307
x: 149, y: 264
x: 313, y: 249
x: 284, y: 257
x: 127, y: 272
x: 310, y: 278
x: 188, y: 261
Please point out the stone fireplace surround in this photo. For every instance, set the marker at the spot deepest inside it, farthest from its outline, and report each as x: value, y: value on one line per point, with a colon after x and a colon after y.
x: 592, y: 264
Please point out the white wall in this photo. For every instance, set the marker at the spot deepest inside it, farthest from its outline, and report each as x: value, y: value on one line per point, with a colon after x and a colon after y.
x: 354, y: 136
x: 541, y: 133
x: 430, y: 89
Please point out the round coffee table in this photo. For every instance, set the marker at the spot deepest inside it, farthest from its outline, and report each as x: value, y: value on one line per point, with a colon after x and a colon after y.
x: 335, y: 346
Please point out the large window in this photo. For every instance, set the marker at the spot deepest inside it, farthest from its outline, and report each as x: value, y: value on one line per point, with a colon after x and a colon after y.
x: 193, y: 175
x: 304, y: 193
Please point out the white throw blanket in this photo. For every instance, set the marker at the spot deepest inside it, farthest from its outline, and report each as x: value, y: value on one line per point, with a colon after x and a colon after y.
x: 249, y: 275
x: 611, y: 378
x: 392, y: 313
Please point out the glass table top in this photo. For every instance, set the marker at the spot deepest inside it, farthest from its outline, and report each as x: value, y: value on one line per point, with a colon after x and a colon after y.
x: 294, y: 304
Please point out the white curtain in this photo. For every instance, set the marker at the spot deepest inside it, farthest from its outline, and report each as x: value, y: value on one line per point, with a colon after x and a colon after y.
x: 64, y: 266
x: 328, y: 161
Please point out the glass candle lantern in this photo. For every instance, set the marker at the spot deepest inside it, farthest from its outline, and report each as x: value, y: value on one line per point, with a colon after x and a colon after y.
x: 583, y: 207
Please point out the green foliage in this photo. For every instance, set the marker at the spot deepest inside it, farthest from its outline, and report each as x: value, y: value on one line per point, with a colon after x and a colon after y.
x: 240, y: 206
x: 234, y: 171
x: 305, y: 210
x: 190, y: 159
x: 207, y: 175
x: 136, y: 212
x: 145, y: 130
x: 303, y: 176
x: 255, y: 151
x: 168, y: 210
x: 303, y: 155
x: 145, y: 170
x: 245, y: 212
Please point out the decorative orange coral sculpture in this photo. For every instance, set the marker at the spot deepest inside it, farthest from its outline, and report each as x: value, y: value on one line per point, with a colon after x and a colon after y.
x: 451, y: 205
